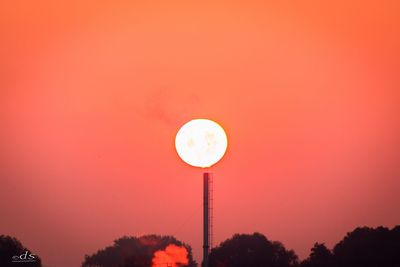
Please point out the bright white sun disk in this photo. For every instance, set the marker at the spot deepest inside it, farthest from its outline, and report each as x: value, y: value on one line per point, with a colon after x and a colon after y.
x: 201, y: 143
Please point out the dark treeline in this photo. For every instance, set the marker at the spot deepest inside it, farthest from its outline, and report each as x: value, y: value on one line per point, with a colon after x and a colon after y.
x: 367, y: 247
x: 363, y: 247
x: 135, y: 251
x: 13, y: 253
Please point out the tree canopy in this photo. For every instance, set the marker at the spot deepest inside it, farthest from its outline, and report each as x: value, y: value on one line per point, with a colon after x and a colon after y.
x: 363, y: 247
x: 320, y: 256
x: 244, y: 250
x: 135, y: 252
x: 10, y: 248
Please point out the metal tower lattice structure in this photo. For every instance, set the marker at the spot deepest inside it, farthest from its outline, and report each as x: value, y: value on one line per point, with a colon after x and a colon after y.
x: 208, y: 216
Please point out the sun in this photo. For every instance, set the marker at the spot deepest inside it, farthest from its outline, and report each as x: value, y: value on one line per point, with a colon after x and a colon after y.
x: 201, y: 143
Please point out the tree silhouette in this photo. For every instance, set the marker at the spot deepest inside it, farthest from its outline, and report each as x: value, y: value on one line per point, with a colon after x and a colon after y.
x: 243, y: 250
x: 134, y: 252
x: 320, y: 256
x: 369, y: 247
x: 11, y: 247
x: 363, y: 247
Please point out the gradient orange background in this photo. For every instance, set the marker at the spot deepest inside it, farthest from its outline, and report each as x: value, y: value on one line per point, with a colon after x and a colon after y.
x: 92, y: 94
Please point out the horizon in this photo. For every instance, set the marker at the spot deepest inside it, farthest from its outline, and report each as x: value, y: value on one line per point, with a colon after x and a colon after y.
x: 175, y: 253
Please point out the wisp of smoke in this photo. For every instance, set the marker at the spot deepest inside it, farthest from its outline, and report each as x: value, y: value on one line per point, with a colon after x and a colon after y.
x: 172, y: 256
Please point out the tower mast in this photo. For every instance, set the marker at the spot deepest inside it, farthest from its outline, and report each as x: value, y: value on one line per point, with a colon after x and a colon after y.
x: 207, y: 216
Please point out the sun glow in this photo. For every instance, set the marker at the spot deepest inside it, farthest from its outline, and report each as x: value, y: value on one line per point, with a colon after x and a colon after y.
x: 201, y: 143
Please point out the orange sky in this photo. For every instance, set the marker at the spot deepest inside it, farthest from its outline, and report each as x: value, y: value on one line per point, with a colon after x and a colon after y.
x: 92, y: 95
